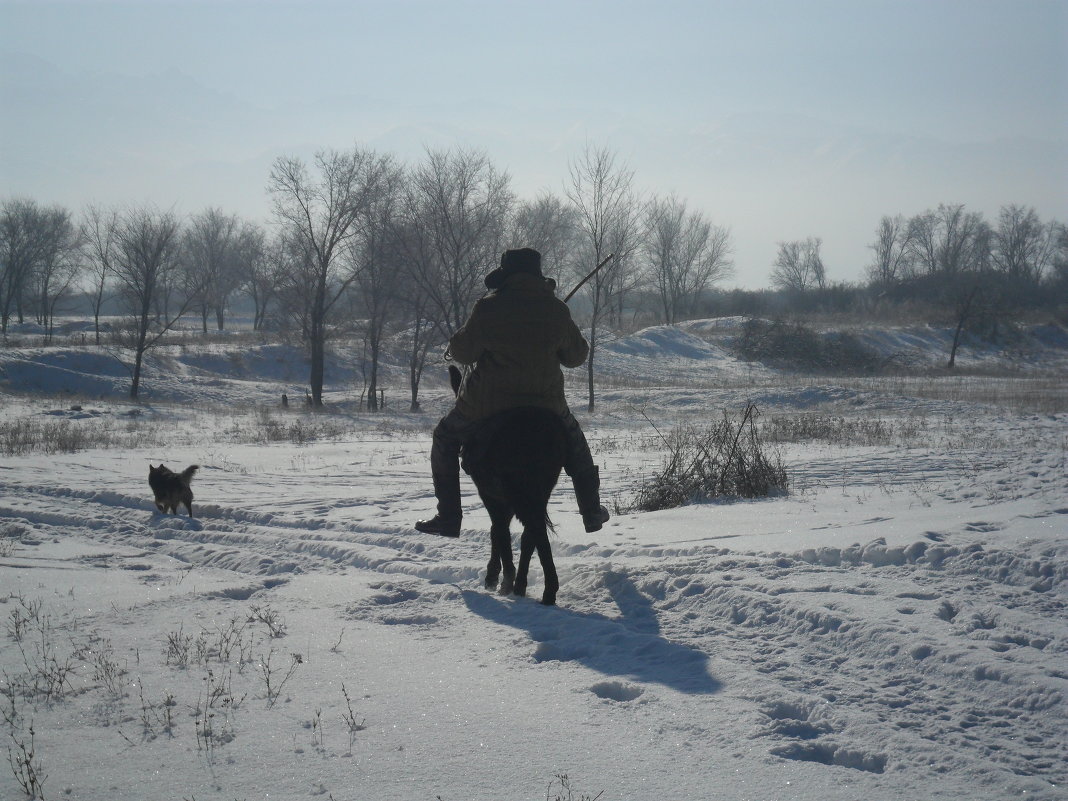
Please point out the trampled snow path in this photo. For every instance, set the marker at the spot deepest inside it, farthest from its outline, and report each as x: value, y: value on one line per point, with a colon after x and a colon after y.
x: 895, y: 629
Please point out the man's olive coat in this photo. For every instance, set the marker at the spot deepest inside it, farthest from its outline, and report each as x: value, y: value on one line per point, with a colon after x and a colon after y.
x: 517, y: 337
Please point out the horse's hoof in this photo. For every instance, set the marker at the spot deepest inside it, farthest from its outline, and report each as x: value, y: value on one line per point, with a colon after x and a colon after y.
x: 506, y: 587
x: 520, y: 591
x: 491, y: 583
x: 549, y: 600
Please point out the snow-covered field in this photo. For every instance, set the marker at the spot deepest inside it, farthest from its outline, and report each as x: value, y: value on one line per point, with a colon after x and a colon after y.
x: 894, y: 628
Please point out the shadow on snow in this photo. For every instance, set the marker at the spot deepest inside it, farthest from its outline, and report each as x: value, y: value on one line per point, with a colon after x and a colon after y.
x: 629, y: 646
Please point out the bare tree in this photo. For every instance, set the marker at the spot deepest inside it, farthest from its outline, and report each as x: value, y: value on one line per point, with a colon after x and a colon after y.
x: 625, y: 275
x: 295, y: 270
x: 549, y: 225
x: 456, y: 209
x: 892, y: 260
x: 323, y: 212
x: 250, y: 258
x: 419, y: 307
x: 684, y: 254
x: 57, y: 266
x: 381, y: 267
x: 948, y: 240
x: 147, y: 257
x: 100, y: 245
x: 799, y: 266
x: 922, y: 241
x: 600, y: 191
x: 1058, y: 275
x: 212, y: 257
x: 964, y: 304
x: 1023, y: 246
x: 424, y: 334
x: 27, y: 236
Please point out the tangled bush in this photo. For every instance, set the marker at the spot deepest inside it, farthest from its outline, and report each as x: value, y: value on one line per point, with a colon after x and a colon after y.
x: 794, y: 346
x: 728, y: 460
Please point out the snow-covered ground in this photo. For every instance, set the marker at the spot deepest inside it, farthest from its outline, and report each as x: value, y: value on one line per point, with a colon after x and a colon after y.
x: 893, y: 628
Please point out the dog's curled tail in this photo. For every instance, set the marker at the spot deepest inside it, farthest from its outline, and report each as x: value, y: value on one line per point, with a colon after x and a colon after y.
x: 187, y: 474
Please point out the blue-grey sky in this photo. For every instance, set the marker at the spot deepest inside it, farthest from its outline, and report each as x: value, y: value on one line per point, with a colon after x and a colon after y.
x: 780, y: 119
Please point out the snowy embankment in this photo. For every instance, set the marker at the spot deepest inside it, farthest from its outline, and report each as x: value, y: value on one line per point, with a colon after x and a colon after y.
x: 894, y: 628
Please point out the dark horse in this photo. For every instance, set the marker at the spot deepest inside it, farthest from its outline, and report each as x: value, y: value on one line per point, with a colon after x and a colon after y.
x: 515, y: 461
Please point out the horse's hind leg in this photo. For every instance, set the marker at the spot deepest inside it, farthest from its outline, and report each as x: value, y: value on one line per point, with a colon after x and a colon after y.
x: 500, y: 547
x: 548, y: 567
x: 493, y: 566
x: 504, y: 550
x: 526, y: 550
x: 500, y: 557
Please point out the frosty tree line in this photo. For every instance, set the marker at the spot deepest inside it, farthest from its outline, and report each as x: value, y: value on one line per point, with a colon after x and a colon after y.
x: 361, y: 244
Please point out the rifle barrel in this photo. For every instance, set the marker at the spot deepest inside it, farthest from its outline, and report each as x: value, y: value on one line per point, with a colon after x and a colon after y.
x: 578, y: 286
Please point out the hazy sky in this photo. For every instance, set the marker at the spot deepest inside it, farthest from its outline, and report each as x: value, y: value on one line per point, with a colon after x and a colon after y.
x: 779, y: 119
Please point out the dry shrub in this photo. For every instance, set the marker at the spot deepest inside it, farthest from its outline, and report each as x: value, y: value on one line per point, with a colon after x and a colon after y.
x: 728, y: 460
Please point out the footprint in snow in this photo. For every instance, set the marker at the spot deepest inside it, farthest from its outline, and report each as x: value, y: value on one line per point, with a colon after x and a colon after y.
x: 832, y: 754
x: 788, y: 719
x: 617, y: 691
x: 395, y: 604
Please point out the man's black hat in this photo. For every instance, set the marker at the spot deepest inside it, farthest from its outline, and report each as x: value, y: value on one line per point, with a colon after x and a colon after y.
x: 523, y: 260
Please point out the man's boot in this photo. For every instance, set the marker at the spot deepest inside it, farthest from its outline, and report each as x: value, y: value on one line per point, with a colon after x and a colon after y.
x: 588, y: 493
x: 446, y: 522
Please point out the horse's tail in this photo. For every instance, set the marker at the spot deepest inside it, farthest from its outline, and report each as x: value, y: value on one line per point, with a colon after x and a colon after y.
x: 529, y: 499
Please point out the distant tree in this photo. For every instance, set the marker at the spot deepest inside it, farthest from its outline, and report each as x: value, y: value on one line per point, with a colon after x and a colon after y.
x: 549, y: 225
x: 323, y: 212
x: 100, y: 245
x: 265, y: 267
x: 249, y: 258
x: 1058, y: 277
x: 213, y: 260
x: 798, y: 266
x: 600, y: 191
x: 422, y: 333
x: 294, y: 265
x: 964, y: 305
x: 30, y: 238
x: 1023, y: 246
x: 380, y: 267
x: 418, y: 307
x: 455, y: 210
x: 892, y: 260
x: 923, y: 245
x: 147, y: 258
x: 948, y: 240
x: 57, y: 268
x: 684, y: 253
x: 625, y: 277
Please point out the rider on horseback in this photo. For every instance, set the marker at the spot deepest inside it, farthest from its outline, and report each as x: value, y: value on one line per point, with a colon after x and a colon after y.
x: 516, y: 338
